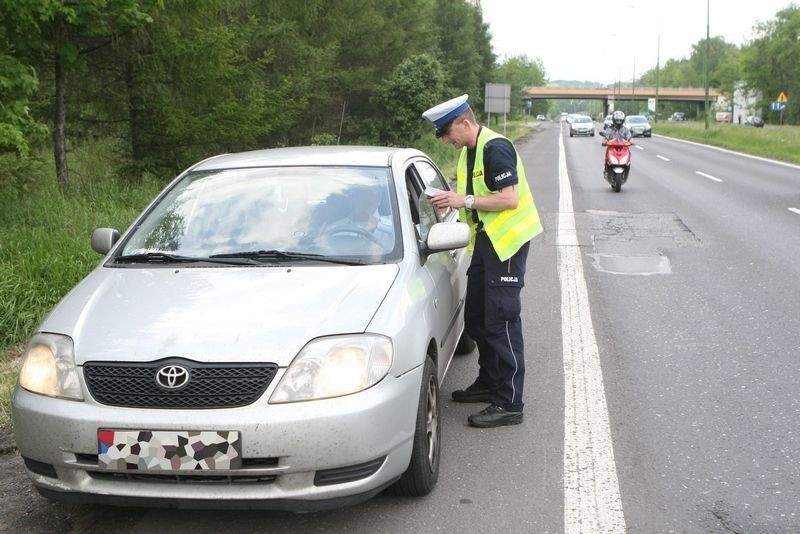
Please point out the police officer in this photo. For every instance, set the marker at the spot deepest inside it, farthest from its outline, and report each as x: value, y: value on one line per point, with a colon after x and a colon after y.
x: 496, y: 201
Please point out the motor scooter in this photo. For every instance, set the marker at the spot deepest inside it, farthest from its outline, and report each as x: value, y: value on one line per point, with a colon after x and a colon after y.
x: 618, y: 162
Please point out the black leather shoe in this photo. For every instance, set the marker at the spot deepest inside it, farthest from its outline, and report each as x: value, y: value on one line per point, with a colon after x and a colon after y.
x: 472, y: 393
x: 493, y: 416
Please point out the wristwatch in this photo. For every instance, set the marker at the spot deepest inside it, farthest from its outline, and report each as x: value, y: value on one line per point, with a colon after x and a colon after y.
x: 469, y: 201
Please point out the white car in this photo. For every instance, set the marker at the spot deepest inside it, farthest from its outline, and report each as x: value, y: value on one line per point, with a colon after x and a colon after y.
x: 581, y: 125
x: 271, y: 332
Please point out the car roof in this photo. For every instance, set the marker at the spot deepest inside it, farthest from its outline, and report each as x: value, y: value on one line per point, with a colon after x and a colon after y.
x: 368, y: 156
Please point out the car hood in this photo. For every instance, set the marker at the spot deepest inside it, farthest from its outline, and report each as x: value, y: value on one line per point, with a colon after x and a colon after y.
x: 216, y: 314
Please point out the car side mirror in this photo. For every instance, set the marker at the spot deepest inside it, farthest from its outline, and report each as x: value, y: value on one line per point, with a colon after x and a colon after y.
x: 103, y: 239
x: 446, y: 236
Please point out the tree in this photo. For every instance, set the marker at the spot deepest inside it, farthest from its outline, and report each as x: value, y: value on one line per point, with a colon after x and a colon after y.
x: 417, y: 84
x: 771, y: 63
x: 521, y: 72
x: 56, y: 34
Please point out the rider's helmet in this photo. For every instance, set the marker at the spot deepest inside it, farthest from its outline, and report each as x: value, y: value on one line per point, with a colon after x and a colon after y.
x: 618, y: 118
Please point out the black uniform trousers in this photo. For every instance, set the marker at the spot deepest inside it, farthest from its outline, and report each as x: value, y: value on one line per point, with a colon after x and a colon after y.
x: 492, y: 320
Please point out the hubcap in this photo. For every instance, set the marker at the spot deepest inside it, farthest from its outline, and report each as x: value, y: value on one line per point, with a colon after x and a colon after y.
x: 432, y: 423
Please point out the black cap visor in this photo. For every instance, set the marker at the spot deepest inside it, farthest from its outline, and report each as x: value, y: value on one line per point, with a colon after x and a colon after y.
x: 444, y: 129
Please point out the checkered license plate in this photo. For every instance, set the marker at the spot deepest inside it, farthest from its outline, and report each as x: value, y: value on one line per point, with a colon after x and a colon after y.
x: 134, y: 450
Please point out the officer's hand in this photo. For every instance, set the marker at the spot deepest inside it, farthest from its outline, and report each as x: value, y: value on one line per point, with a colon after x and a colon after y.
x: 448, y: 199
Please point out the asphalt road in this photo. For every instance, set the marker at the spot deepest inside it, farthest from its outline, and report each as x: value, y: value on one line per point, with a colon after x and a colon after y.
x: 687, y: 341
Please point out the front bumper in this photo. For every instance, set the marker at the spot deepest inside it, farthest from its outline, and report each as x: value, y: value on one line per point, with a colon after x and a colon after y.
x: 299, y: 456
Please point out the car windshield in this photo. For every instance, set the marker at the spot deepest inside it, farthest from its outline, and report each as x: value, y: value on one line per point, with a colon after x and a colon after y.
x: 582, y: 119
x: 273, y: 214
x: 636, y: 119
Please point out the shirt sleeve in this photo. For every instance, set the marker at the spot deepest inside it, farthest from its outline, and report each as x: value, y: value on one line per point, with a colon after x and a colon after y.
x: 500, y: 164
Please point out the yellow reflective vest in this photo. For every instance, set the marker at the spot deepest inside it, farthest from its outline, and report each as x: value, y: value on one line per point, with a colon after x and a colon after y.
x: 509, y: 229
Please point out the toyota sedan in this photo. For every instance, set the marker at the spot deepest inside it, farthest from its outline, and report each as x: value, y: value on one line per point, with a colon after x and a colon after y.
x: 271, y: 332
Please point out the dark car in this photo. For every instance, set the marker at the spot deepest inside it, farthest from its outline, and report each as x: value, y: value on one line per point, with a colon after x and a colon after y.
x: 758, y: 122
x: 678, y: 116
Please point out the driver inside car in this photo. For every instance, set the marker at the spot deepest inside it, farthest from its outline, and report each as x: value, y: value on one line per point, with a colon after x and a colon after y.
x: 363, y: 218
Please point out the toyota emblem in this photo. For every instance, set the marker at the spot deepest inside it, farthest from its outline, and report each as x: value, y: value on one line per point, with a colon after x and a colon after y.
x: 172, y: 377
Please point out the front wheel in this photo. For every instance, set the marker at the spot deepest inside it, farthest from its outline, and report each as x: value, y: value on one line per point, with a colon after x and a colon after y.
x: 423, y: 469
x: 616, y: 183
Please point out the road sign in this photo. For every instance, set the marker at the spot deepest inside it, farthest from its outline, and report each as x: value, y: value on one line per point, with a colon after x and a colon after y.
x: 651, y: 104
x: 497, y: 98
x: 782, y: 97
x: 777, y: 106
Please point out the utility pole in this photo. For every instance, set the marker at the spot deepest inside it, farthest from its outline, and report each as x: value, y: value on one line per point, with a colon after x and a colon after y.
x: 705, y: 62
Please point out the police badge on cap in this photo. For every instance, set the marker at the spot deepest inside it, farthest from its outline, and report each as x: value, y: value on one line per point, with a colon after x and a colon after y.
x: 443, y: 114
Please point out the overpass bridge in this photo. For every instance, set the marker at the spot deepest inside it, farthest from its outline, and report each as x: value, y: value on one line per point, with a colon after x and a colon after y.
x: 609, y: 95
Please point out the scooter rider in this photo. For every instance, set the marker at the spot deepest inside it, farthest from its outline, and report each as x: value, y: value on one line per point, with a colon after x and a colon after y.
x: 617, y: 130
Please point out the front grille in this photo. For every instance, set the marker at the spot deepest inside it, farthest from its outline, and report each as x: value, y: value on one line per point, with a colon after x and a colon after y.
x: 211, y: 385
x: 184, y: 479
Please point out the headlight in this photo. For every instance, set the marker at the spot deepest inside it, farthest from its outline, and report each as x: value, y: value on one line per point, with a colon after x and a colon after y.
x: 48, y: 367
x: 335, y: 366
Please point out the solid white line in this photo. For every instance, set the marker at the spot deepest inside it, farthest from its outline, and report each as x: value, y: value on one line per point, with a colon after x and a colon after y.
x: 662, y: 157
x: 759, y: 158
x: 704, y: 175
x: 795, y: 210
x: 592, y: 500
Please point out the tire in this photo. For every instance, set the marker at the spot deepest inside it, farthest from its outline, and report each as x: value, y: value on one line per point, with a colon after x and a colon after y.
x: 423, y: 469
x: 465, y: 344
x: 616, y: 184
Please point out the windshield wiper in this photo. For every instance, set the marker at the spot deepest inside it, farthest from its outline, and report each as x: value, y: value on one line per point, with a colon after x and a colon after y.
x: 165, y: 258
x: 288, y: 255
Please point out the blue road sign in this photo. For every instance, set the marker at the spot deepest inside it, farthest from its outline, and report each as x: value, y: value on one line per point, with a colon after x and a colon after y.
x: 777, y: 106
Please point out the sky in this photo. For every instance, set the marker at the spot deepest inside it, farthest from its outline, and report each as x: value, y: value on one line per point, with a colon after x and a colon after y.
x: 606, y: 42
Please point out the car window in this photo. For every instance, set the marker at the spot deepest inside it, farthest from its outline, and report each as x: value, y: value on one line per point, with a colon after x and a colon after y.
x: 419, y: 176
x: 431, y: 177
x: 332, y: 211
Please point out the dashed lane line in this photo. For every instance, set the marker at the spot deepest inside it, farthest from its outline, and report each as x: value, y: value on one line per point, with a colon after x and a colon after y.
x: 704, y: 175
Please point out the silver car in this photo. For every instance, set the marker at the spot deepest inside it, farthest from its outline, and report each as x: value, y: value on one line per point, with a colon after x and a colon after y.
x: 270, y: 332
x: 639, y: 126
x: 581, y: 125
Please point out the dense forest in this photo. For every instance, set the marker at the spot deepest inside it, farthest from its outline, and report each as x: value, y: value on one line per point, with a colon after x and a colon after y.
x: 172, y: 82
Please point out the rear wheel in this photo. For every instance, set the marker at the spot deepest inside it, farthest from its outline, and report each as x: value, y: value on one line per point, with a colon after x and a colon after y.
x: 423, y: 469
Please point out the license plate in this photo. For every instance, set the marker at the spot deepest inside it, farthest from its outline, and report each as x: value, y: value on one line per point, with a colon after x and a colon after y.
x: 159, y: 450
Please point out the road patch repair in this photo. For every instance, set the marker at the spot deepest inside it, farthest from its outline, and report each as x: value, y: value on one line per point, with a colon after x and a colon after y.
x: 634, y: 243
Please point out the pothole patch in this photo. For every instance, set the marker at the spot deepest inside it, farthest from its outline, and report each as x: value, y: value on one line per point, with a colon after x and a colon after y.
x: 631, y: 265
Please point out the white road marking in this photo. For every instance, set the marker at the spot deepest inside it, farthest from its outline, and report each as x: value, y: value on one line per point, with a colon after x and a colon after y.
x: 662, y: 157
x: 795, y: 210
x: 592, y: 501
x: 704, y: 175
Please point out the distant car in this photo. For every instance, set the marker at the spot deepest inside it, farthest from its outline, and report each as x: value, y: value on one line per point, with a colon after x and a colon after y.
x: 581, y: 125
x: 758, y: 122
x: 541, y: 117
x: 271, y: 331
x: 678, y: 116
x: 639, y: 125
x: 607, y: 121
